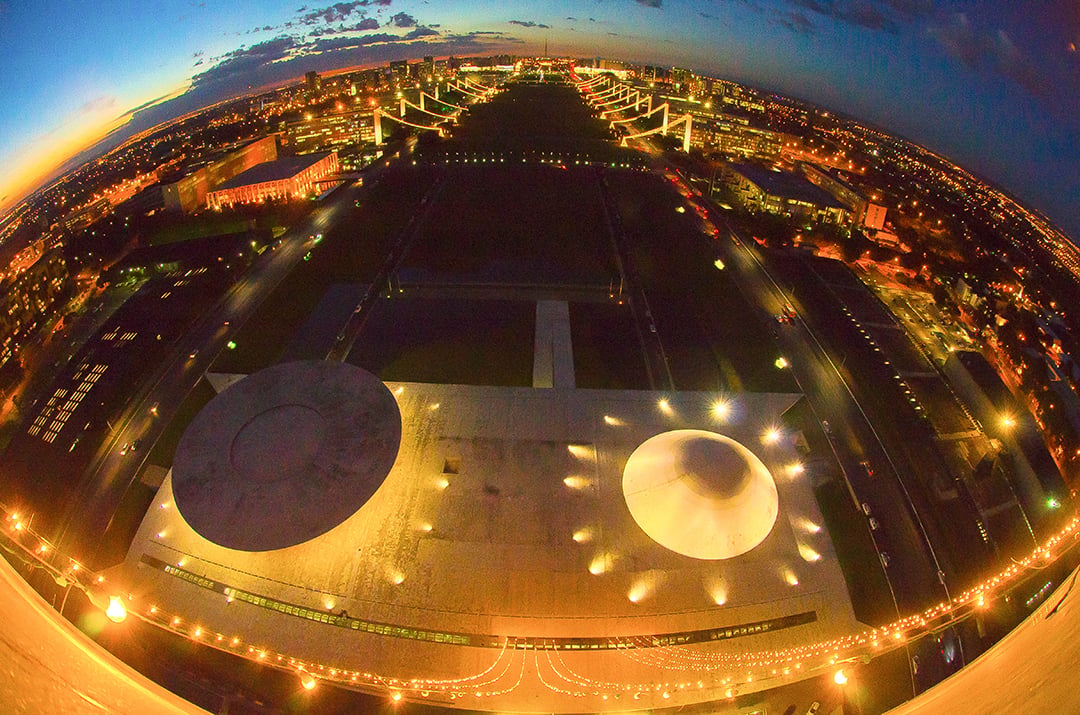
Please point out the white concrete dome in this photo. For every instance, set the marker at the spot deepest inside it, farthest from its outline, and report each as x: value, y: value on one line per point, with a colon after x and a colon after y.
x: 700, y: 494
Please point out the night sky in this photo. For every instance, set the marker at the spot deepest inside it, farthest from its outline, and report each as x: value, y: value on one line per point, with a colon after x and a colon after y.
x: 995, y: 86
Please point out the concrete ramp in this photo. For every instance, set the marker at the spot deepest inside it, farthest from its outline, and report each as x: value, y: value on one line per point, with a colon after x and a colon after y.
x: 553, y: 353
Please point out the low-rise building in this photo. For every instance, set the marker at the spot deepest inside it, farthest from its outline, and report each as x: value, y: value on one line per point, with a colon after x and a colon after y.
x: 864, y: 213
x: 286, y: 179
x: 757, y: 188
x: 189, y: 193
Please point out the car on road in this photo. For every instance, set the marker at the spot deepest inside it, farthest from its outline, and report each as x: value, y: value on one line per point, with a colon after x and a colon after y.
x: 193, y: 354
x: 885, y: 558
x: 873, y: 524
x: 867, y: 468
x: 866, y: 508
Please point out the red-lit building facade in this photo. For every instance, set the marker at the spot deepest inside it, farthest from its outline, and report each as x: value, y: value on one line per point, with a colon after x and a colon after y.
x: 282, y: 180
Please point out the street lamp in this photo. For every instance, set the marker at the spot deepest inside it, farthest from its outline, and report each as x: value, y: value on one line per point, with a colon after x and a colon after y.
x: 115, y: 610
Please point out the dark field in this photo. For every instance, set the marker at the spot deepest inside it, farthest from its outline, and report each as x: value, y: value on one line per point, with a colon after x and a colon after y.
x: 607, y: 351
x: 524, y: 224
x: 351, y: 251
x: 449, y: 341
x: 534, y: 117
x: 713, y: 337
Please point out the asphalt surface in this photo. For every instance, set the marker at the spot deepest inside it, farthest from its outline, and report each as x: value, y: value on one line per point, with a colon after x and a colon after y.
x: 113, y: 470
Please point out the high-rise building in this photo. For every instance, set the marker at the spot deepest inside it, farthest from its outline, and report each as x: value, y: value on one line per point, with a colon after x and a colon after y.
x: 312, y: 84
x: 26, y: 300
x: 399, y: 70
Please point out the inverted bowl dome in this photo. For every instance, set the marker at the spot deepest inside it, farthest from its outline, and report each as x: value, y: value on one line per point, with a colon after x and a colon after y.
x: 700, y: 494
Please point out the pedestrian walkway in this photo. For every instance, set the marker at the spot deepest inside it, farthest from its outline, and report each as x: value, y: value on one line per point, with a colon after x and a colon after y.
x: 553, y: 352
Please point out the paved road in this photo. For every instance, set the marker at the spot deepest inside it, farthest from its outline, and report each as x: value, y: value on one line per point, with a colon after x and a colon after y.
x: 652, y: 349
x: 348, y: 335
x: 111, y: 473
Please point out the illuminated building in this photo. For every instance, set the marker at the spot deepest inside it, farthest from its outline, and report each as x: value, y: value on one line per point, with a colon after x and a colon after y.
x: 26, y: 300
x: 332, y: 131
x: 493, y: 547
x: 190, y: 193
x: 312, y: 84
x: 863, y: 212
x: 25, y: 258
x: 85, y: 216
x: 399, y: 70
x: 759, y: 189
x: 282, y: 180
x: 685, y: 81
x: 735, y: 136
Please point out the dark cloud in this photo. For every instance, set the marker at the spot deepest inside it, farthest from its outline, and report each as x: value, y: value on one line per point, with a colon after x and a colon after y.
x: 707, y: 16
x: 989, y: 51
x: 245, y: 60
x: 402, y: 20
x: 284, y: 59
x: 794, y: 21
x: 751, y: 4
x: 346, y: 43
x: 368, y: 23
x: 649, y: 3
x: 911, y: 8
x: 337, y: 12
x: 377, y: 38
x: 529, y: 23
x: 877, y: 15
x: 420, y: 32
x: 860, y: 13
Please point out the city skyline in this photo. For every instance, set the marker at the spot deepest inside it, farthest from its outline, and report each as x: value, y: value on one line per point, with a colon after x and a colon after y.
x: 989, y: 85
x: 372, y: 381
